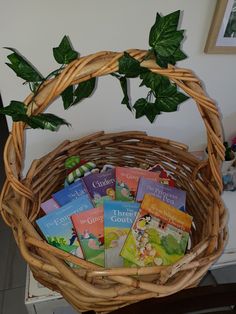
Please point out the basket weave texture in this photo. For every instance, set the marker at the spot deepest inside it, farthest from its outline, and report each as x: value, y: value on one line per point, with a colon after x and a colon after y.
x: 90, y: 287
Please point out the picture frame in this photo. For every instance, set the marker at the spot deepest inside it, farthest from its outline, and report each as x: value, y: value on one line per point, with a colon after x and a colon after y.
x: 222, y: 33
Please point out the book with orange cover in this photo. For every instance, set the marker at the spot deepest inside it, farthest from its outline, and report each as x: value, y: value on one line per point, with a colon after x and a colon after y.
x: 159, y: 234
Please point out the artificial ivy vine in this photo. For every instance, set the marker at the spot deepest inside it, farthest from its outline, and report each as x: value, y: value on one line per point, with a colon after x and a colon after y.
x: 163, y: 96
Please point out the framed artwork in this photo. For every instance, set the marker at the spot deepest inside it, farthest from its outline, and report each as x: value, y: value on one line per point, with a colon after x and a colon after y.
x: 222, y: 34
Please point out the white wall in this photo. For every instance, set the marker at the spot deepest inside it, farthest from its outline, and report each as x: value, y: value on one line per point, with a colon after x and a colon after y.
x: 34, y: 27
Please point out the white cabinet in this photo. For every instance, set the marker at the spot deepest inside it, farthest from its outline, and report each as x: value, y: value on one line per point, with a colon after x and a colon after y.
x: 229, y: 255
x: 40, y: 300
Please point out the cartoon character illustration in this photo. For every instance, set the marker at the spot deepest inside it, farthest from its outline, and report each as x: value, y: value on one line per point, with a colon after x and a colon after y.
x: 101, y: 239
x: 93, y: 245
x: 86, y: 234
x: 111, y: 193
x: 73, y: 236
x: 141, y: 225
x: 124, y: 189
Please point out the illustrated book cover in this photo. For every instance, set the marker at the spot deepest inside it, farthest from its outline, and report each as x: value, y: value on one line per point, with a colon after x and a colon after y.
x: 70, y: 193
x: 58, y: 229
x: 127, y: 179
x: 159, y: 234
x: 101, y: 186
x: 49, y: 206
x: 90, y: 231
x: 118, y: 219
x: 170, y: 195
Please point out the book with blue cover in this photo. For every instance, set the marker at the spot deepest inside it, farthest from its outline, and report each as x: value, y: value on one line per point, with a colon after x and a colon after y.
x: 168, y: 194
x: 118, y: 219
x: 70, y: 193
x: 58, y: 229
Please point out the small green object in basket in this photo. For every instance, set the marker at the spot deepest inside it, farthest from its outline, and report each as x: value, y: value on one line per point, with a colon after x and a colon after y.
x: 72, y: 161
x: 76, y: 168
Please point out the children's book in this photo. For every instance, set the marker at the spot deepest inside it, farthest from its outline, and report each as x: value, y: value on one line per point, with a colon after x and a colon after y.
x: 70, y: 193
x: 118, y: 219
x: 101, y: 186
x: 159, y: 234
x: 49, y: 206
x: 166, y: 177
x: 127, y: 181
x: 171, y: 195
x: 58, y: 229
x: 89, y: 228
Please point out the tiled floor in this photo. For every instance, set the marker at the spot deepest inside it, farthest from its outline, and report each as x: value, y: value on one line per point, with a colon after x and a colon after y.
x: 13, y: 275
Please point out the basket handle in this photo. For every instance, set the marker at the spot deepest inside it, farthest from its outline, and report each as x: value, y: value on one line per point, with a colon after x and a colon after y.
x: 103, y: 63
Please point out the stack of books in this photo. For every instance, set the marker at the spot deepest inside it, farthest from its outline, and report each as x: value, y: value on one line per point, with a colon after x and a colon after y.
x: 122, y: 217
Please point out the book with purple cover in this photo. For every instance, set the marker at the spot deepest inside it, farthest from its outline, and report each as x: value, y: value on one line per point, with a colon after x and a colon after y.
x: 58, y: 229
x: 49, y: 206
x: 168, y: 194
x: 70, y: 193
x: 101, y: 186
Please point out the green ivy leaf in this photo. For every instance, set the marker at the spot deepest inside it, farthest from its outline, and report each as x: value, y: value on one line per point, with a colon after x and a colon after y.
x: 171, y: 59
x: 68, y: 97
x: 145, y: 108
x: 23, y: 68
x: 151, y: 80
x: 46, y: 121
x: 17, y: 110
x: 129, y: 66
x: 124, y: 86
x: 168, y: 99
x: 64, y: 53
x: 165, y: 39
x: 84, y: 90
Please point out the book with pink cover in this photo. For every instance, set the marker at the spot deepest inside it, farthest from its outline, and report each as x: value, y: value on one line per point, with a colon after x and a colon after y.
x: 49, y: 206
x: 90, y: 231
x: 127, y: 179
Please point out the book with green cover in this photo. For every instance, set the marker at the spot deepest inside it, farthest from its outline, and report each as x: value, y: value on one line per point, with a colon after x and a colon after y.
x: 118, y: 218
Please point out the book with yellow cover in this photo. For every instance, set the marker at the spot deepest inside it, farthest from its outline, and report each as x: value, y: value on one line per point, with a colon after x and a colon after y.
x: 159, y: 234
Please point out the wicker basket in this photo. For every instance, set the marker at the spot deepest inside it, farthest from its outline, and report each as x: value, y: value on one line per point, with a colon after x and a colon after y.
x: 91, y: 287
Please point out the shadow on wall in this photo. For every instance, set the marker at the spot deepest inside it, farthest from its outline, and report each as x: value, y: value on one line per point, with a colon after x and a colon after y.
x: 3, y: 137
x: 229, y: 126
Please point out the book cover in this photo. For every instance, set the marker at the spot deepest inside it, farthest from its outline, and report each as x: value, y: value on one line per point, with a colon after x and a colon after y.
x: 58, y: 229
x: 49, y: 206
x: 127, y: 181
x: 90, y: 231
x: 101, y: 186
x: 159, y: 234
x: 165, y: 176
x: 118, y: 219
x: 170, y: 195
x: 70, y: 193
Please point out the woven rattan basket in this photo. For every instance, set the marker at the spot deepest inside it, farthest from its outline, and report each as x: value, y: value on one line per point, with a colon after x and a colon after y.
x: 90, y: 287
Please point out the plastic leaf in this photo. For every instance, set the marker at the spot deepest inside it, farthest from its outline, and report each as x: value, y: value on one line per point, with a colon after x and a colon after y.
x: 23, y: 68
x: 64, y: 53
